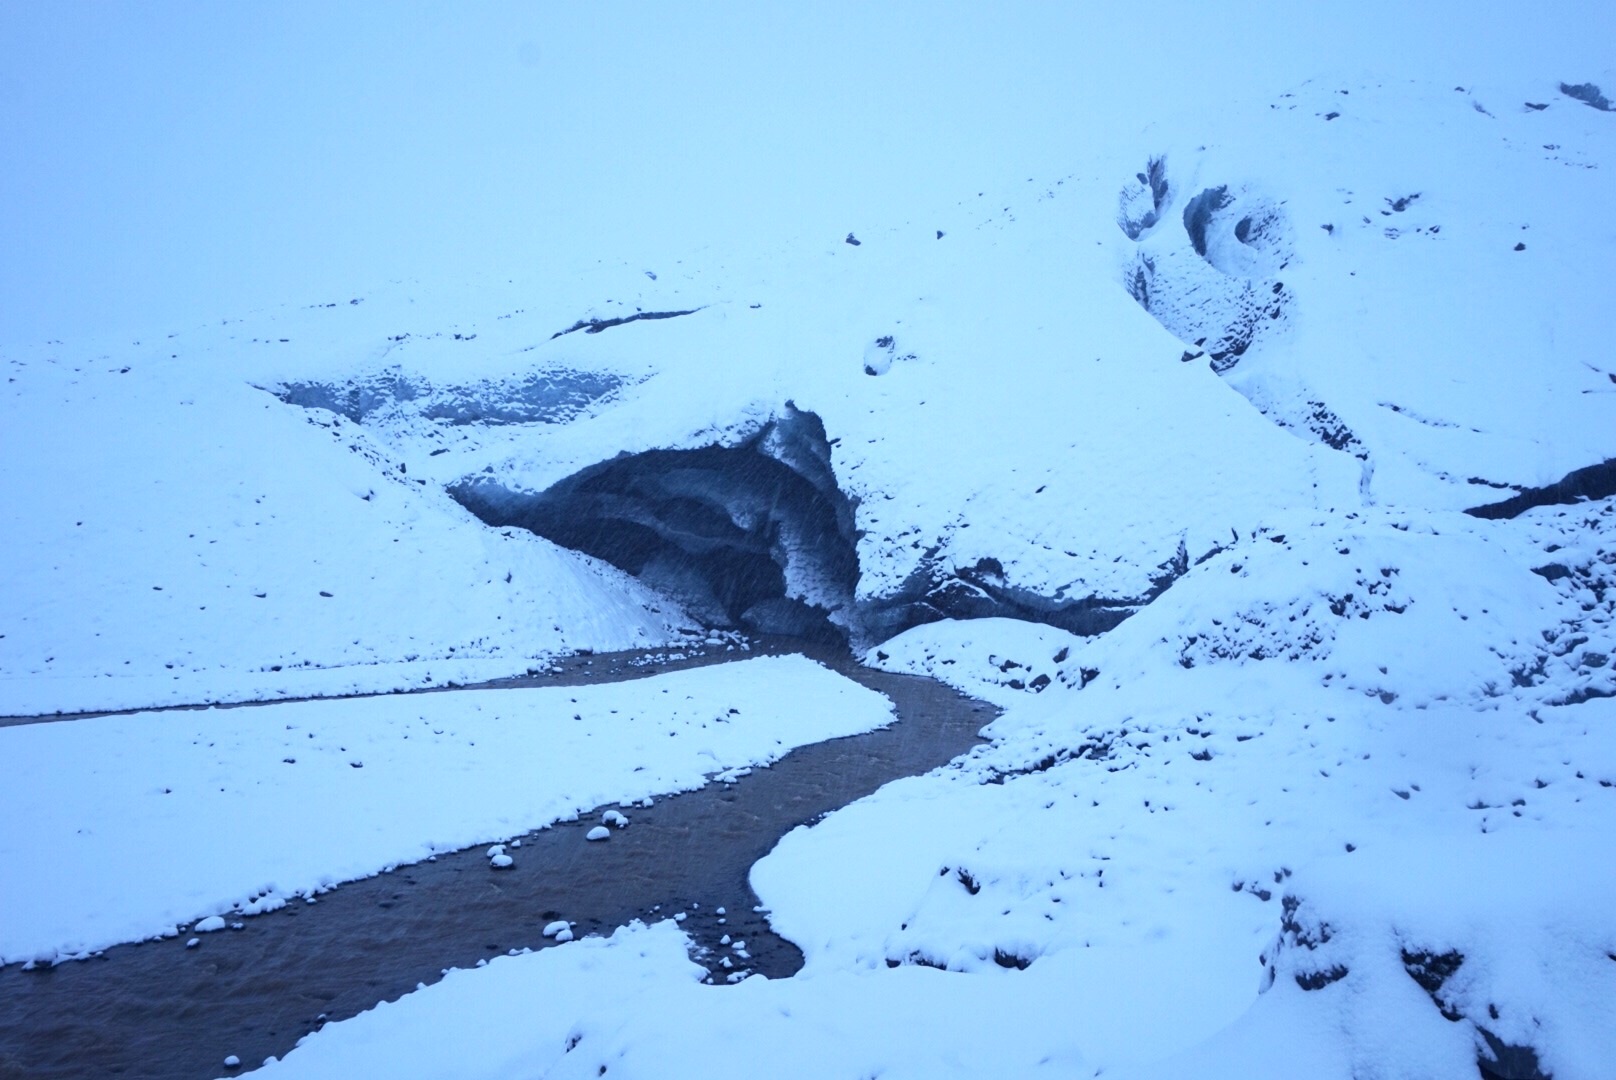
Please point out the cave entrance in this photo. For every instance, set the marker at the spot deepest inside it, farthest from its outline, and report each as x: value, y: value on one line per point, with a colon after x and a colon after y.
x: 756, y: 536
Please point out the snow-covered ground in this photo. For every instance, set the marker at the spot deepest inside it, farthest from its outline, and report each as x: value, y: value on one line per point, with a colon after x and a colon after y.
x: 1229, y: 358
x: 1230, y: 851
x: 127, y: 827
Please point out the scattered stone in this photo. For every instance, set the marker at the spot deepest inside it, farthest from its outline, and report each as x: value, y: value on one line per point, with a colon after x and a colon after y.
x: 209, y: 924
x: 599, y: 832
x: 1589, y: 95
x: 851, y: 239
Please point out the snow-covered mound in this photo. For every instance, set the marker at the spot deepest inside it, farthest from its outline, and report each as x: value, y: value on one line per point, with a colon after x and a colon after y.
x: 174, y: 535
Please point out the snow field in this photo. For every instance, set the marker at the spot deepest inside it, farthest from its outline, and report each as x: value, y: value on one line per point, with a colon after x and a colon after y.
x: 1358, y: 725
x: 185, y: 538
x: 121, y: 828
x: 1128, y: 879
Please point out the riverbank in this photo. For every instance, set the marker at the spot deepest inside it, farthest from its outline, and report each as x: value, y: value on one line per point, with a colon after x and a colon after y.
x: 160, y: 1008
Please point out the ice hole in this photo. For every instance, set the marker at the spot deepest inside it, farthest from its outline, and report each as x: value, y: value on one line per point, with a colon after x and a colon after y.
x: 756, y: 536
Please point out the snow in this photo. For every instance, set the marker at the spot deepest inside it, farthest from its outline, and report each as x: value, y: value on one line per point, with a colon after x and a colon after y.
x: 141, y: 581
x: 1218, y: 319
x: 1141, y: 842
x: 997, y: 660
x: 120, y: 828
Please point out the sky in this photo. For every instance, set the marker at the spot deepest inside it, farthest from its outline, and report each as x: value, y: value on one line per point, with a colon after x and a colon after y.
x: 168, y: 162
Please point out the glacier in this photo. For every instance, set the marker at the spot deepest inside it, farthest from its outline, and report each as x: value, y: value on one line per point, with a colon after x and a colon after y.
x: 1252, y: 451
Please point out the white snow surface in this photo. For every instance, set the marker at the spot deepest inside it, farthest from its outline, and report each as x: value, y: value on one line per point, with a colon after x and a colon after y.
x: 1162, y: 846
x: 1349, y: 733
x: 996, y: 660
x: 161, y: 554
x: 124, y: 827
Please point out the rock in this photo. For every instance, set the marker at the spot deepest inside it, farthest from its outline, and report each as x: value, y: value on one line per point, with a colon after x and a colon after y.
x: 599, y: 832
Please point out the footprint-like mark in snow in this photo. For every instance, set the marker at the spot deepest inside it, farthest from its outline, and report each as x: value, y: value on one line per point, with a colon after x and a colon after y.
x: 1216, y: 284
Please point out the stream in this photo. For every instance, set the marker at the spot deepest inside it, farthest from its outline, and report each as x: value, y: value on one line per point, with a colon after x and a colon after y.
x: 157, y: 1009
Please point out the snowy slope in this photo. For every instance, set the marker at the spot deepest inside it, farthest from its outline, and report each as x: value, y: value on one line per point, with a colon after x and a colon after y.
x: 173, y: 536
x: 1219, y: 375
x: 1352, y: 739
x: 1257, y: 802
x: 1016, y: 355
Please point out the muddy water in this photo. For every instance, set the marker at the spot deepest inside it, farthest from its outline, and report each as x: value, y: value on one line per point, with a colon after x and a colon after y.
x: 157, y: 1009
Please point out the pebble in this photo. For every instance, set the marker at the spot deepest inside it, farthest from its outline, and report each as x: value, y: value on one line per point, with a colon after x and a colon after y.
x: 599, y: 832
x: 232, y: 1062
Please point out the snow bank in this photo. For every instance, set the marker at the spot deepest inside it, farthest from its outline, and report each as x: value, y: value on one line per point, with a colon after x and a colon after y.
x: 997, y: 660
x: 1254, y: 860
x: 516, y: 1016
x: 175, y: 536
x: 120, y: 828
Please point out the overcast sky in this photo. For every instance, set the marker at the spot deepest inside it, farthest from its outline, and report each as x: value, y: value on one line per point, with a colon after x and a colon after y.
x: 162, y: 163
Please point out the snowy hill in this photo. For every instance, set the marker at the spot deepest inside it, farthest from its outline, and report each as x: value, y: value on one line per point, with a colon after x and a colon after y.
x: 1256, y: 455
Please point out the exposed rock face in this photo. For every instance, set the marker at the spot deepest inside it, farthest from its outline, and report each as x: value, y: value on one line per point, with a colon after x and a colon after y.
x: 553, y: 396
x: 1592, y: 482
x: 1467, y: 991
